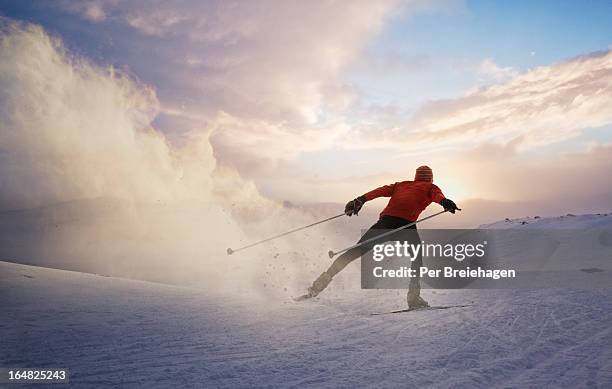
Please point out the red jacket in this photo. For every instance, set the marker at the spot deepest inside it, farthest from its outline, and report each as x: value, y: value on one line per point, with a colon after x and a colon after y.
x: 408, y: 198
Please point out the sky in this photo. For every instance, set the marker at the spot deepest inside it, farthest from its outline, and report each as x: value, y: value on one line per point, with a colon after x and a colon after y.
x: 510, y: 103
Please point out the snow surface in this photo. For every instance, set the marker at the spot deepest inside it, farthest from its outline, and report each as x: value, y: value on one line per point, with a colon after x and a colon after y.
x: 120, y: 332
x: 568, y: 221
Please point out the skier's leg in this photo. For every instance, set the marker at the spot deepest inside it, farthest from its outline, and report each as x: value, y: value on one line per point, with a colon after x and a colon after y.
x: 326, y: 277
x: 342, y: 261
x: 414, y: 287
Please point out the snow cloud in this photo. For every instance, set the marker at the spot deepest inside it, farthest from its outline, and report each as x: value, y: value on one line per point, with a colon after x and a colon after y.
x: 121, y: 199
x: 73, y: 130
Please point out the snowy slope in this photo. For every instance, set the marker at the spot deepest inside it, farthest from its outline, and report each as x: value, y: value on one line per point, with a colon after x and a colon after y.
x: 112, y: 331
x: 577, y: 245
x: 568, y: 221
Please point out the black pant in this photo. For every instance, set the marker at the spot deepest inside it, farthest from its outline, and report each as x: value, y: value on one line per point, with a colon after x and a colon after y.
x: 384, y: 224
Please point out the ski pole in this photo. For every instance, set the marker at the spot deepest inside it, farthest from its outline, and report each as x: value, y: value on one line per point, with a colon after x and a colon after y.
x: 231, y: 251
x: 333, y: 254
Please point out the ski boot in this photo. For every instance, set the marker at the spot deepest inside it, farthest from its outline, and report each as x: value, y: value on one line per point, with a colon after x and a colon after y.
x: 317, y: 286
x: 415, y: 301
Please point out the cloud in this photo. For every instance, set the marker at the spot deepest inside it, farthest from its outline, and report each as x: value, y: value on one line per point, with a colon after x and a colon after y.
x: 261, y: 77
x: 157, y: 23
x: 258, y: 147
x: 269, y: 60
x: 491, y: 70
x: 256, y: 73
x: 92, y: 10
x: 544, y: 105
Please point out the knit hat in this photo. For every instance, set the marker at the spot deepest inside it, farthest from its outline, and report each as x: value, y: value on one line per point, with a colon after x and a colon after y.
x: 423, y: 173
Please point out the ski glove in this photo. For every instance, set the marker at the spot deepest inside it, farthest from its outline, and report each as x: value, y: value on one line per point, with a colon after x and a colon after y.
x: 354, y: 206
x: 449, y: 205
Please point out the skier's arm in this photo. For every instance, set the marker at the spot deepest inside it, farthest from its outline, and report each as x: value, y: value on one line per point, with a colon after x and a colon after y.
x: 383, y: 191
x: 354, y: 206
x: 436, y: 195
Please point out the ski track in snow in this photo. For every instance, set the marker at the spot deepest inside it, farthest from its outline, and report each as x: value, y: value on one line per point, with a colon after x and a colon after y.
x: 112, y: 331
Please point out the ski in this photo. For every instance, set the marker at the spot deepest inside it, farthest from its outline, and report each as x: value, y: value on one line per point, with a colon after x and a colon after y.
x: 422, y: 309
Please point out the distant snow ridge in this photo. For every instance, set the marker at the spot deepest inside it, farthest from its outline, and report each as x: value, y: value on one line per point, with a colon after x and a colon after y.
x: 564, y: 250
x: 568, y: 221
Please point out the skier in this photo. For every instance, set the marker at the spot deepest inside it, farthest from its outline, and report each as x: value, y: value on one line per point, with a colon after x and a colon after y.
x: 408, y: 200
